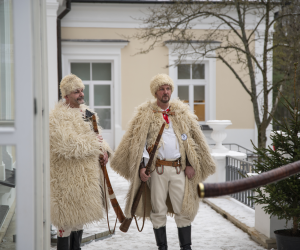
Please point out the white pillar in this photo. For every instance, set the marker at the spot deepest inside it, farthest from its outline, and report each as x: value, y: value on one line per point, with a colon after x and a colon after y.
x: 219, y: 152
x: 52, y: 7
x: 266, y: 224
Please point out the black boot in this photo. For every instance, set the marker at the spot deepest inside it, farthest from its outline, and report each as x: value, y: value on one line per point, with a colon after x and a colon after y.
x: 71, y: 240
x: 161, y: 238
x: 184, y: 235
x: 63, y: 243
x: 75, y: 240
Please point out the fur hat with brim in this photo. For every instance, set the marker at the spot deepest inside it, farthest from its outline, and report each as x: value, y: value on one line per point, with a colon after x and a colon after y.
x: 159, y: 80
x: 69, y: 84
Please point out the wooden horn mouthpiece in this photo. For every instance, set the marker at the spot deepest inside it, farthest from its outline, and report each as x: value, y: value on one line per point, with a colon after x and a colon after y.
x: 125, y: 225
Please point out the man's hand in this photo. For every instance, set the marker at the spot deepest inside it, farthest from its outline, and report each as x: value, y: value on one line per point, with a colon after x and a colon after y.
x: 104, y: 159
x: 143, y: 175
x: 189, y: 172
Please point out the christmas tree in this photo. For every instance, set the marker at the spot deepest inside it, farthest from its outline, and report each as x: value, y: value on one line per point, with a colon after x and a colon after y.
x: 282, y: 199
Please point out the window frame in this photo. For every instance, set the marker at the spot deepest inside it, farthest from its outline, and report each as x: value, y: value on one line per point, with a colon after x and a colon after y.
x: 195, y: 82
x: 210, y: 76
x: 99, y: 51
x: 91, y: 83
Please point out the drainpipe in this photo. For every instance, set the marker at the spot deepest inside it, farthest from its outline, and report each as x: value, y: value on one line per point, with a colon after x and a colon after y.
x: 58, y: 28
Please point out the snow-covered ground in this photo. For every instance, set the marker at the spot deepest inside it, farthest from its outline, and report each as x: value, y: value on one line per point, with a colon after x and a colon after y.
x: 210, y: 231
x: 235, y: 208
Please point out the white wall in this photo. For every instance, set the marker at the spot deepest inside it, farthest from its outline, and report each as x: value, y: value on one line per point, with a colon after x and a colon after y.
x: 52, y: 6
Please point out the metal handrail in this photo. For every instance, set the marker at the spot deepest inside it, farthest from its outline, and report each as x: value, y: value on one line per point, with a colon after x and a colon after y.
x: 239, y: 146
x: 236, y: 169
x: 248, y: 152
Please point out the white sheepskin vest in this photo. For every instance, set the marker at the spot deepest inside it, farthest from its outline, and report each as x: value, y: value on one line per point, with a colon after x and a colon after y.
x: 145, y: 126
x: 76, y: 177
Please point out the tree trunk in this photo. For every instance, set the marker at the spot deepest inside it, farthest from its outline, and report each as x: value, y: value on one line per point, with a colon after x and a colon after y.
x: 295, y: 225
x: 262, y: 137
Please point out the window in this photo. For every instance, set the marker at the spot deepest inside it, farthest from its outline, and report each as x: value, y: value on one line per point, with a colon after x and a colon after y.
x: 188, y: 71
x: 192, y: 87
x: 6, y: 66
x: 97, y: 78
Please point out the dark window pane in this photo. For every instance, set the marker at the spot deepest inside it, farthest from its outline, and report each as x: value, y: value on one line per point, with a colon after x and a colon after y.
x: 102, y: 95
x: 183, y: 93
x: 7, y: 89
x: 86, y: 94
x: 199, y: 93
x: 82, y: 70
x: 104, y: 118
x: 184, y: 71
x: 101, y: 71
x: 198, y: 71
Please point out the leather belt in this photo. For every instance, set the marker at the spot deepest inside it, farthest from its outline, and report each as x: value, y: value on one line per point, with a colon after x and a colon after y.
x: 176, y: 163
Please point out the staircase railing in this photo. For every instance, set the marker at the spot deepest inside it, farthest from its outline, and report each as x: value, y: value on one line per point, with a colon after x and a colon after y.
x: 237, y: 169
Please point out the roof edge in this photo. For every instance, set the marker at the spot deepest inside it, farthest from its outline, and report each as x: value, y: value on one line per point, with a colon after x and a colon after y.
x: 96, y: 40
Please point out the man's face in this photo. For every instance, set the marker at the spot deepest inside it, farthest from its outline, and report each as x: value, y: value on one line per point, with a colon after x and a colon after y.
x: 75, y: 98
x: 163, y: 94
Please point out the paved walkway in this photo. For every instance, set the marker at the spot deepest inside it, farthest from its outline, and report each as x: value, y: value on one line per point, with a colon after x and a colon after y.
x: 7, y: 242
x: 210, y: 230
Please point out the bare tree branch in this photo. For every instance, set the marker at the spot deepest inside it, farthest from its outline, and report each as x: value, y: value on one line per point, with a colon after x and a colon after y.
x: 236, y: 75
x: 275, y: 105
x: 230, y: 27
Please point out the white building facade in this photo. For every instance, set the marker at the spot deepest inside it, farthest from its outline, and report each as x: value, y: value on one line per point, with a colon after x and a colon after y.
x: 94, y: 36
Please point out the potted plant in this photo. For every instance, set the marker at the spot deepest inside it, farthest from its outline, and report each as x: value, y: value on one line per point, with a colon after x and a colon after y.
x: 282, y: 199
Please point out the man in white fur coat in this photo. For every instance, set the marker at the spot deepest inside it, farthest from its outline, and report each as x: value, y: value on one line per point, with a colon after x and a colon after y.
x: 181, y: 161
x: 77, y: 185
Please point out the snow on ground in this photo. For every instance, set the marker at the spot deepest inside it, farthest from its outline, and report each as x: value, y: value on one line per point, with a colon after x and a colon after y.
x: 210, y: 231
x: 235, y: 208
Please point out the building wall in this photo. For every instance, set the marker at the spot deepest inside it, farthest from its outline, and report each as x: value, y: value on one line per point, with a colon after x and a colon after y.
x: 93, y: 21
x: 232, y: 102
x: 136, y: 70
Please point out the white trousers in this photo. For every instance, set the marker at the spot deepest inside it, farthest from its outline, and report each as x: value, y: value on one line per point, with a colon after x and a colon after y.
x: 65, y: 232
x: 166, y: 180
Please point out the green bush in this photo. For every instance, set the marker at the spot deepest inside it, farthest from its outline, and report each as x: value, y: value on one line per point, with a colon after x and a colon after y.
x: 282, y: 199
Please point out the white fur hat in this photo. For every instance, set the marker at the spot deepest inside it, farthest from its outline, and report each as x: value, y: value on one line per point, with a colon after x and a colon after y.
x: 69, y: 84
x: 159, y: 80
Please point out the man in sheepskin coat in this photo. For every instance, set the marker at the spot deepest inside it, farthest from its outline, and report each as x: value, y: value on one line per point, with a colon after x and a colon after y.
x: 181, y: 161
x: 77, y: 186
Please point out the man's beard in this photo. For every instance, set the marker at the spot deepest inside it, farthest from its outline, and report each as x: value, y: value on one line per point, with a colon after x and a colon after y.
x: 165, y: 100
x: 80, y: 100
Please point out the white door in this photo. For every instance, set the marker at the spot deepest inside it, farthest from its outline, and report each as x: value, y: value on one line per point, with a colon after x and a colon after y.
x: 24, y: 137
x: 98, y: 92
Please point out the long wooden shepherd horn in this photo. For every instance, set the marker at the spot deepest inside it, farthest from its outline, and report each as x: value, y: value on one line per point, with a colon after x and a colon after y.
x: 113, y: 199
x: 126, y: 223
x: 225, y: 188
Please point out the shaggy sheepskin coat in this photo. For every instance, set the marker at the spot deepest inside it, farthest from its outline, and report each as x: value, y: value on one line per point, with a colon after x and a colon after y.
x: 144, y: 128
x: 76, y: 179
